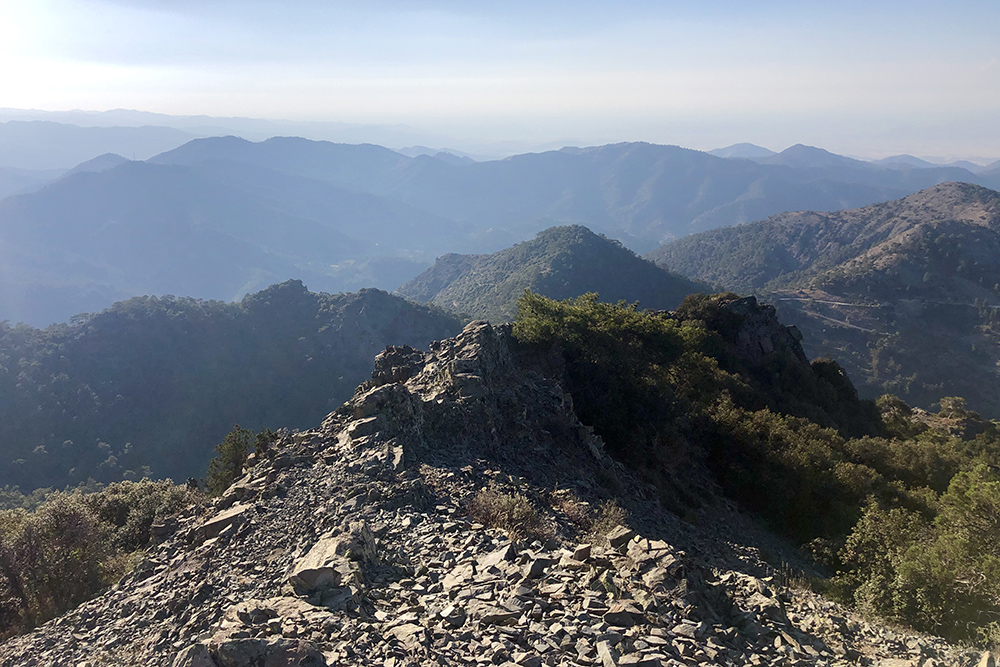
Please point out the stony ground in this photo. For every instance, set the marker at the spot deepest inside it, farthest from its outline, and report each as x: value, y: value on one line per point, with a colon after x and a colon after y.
x: 358, y: 543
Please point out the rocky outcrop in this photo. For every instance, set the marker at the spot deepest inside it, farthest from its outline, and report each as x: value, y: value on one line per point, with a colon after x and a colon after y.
x: 354, y: 544
x: 760, y: 336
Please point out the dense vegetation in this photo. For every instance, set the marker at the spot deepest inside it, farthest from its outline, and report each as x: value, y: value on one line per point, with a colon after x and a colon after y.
x: 152, y: 384
x: 559, y: 263
x: 904, y: 294
x: 72, y: 545
x: 60, y: 548
x: 902, y: 506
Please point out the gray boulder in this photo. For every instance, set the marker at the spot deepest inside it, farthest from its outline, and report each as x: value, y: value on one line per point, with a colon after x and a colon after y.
x: 334, y: 561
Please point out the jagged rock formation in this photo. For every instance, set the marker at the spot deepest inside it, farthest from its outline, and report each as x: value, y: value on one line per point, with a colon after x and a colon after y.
x: 353, y: 544
x: 760, y: 334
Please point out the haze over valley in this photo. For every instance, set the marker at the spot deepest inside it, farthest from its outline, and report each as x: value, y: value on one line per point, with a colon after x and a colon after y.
x: 221, y: 217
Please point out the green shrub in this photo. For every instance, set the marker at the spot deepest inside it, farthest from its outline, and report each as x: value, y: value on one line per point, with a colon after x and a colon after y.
x: 905, y: 507
x: 75, y: 544
x: 609, y: 515
x: 231, y: 455
x: 131, y: 508
x: 631, y: 374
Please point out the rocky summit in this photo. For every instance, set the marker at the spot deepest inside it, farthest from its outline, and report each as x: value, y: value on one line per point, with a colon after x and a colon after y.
x: 368, y: 541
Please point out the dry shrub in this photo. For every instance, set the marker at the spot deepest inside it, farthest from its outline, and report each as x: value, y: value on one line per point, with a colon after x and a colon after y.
x: 577, y: 512
x: 609, y: 515
x: 512, y: 513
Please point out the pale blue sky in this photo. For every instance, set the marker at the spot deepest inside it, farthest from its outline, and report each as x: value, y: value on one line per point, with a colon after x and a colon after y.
x: 863, y: 78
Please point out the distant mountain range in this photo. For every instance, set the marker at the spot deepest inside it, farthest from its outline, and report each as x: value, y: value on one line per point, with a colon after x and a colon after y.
x: 911, y: 162
x: 254, y: 129
x: 17, y: 181
x: 640, y: 193
x: 905, y: 294
x: 141, y: 228
x: 98, y: 164
x: 559, y: 263
x: 221, y: 217
x: 39, y: 144
x: 760, y: 154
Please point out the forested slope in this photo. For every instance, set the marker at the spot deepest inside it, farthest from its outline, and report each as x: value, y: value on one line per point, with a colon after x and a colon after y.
x: 153, y: 384
x: 905, y: 294
x: 560, y: 262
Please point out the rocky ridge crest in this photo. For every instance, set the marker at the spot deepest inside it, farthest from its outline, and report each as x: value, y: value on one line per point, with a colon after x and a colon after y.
x: 353, y: 544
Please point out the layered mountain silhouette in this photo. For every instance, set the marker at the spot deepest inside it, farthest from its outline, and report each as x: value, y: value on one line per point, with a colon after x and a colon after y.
x: 911, y: 162
x: 638, y: 192
x: 218, y: 218
x: 560, y: 263
x: 99, y: 236
x: 43, y: 144
x: 17, y: 181
x: 905, y: 294
x: 98, y: 164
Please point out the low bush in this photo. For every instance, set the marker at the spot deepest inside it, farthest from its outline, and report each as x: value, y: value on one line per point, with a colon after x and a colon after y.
x: 609, y: 516
x: 75, y: 544
x: 512, y: 513
x: 231, y: 455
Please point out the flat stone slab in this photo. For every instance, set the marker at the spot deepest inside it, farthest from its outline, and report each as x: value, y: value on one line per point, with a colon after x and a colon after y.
x: 222, y: 520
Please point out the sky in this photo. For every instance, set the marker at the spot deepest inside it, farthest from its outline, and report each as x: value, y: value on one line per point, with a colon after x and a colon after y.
x: 867, y: 79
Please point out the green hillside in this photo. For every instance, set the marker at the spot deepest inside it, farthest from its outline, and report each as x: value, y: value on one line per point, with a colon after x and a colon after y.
x: 901, y: 508
x: 153, y: 384
x: 905, y: 294
x: 560, y: 262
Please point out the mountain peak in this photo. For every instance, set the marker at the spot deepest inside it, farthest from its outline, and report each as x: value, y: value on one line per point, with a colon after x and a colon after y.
x: 904, y: 162
x: 99, y: 163
x: 801, y: 156
x: 456, y: 502
x: 560, y: 262
x: 953, y: 201
x: 742, y: 150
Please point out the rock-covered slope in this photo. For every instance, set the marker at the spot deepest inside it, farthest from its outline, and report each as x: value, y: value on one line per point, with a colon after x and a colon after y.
x: 904, y: 294
x: 352, y: 543
x: 560, y: 263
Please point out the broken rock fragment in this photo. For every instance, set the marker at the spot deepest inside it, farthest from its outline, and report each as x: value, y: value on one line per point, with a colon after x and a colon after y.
x: 334, y: 561
x: 197, y: 655
x: 278, y: 652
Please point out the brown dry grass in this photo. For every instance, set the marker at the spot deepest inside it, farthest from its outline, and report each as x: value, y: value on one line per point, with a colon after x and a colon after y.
x: 512, y: 513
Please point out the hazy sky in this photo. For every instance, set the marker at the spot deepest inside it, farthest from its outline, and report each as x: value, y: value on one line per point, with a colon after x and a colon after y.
x: 865, y: 78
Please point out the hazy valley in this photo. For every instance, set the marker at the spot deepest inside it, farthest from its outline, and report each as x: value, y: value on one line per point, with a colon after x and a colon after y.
x: 343, y: 217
